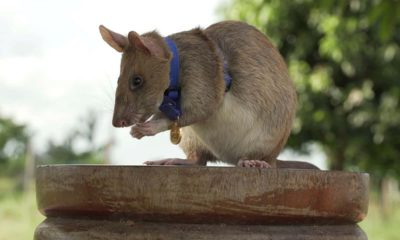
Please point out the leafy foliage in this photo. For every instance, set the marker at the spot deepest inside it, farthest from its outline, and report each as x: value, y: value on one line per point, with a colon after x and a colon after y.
x: 78, y: 147
x: 13, y: 143
x: 344, y: 58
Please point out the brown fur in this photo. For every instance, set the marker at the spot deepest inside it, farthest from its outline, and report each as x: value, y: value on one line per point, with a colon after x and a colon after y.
x: 251, y: 121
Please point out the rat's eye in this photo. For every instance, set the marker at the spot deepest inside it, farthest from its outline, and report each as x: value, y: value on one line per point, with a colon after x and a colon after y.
x: 135, y: 82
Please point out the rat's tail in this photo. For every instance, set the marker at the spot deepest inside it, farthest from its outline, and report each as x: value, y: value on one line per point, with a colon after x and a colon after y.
x: 295, y: 165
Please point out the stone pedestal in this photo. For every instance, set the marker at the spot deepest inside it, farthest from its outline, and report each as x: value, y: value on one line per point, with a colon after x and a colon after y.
x: 137, y: 202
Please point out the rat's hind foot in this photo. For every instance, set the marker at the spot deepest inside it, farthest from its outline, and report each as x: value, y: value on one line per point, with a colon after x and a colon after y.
x: 170, y: 161
x: 253, y: 164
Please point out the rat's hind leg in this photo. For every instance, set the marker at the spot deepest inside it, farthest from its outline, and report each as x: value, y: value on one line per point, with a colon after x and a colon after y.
x: 196, y: 152
x: 257, y: 162
x: 266, y: 159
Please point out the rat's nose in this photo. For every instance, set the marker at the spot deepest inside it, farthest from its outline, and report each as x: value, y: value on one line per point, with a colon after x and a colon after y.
x: 120, y: 123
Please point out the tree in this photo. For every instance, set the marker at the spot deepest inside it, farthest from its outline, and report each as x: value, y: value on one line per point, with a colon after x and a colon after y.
x: 344, y: 58
x: 78, y: 147
x: 13, y: 143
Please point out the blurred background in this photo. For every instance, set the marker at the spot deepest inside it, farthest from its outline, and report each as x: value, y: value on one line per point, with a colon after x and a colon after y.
x: 58, y: 77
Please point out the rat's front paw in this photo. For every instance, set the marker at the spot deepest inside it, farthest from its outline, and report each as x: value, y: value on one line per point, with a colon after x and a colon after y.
x: 136, y: 133
x: 149, y: 128
x: 143, y: 129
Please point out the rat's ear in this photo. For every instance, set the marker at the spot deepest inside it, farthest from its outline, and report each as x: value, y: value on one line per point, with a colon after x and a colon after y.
x: 136, y: 41
x: 148, y: 45
x: 115, y: 40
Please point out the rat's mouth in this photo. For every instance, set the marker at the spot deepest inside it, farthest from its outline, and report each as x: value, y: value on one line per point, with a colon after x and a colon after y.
x: 140, y: 119
x: 124, y: 117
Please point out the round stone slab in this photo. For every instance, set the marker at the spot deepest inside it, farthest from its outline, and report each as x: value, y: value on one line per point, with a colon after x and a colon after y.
x: 202, y: 194
x: 84, y: 229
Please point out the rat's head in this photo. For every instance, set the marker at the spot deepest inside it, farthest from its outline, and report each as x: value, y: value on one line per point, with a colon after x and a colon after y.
x: 144, y: 75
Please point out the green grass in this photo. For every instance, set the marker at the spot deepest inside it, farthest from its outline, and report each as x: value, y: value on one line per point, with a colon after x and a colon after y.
x: 19, y: 218
x: 378, y: 228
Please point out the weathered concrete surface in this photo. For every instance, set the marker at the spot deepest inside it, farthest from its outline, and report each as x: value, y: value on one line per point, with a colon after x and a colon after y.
x: 70, y: 229
x: 202, y: 194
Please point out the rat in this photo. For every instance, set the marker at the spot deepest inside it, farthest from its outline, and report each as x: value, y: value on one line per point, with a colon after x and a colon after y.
x: 246, y: 123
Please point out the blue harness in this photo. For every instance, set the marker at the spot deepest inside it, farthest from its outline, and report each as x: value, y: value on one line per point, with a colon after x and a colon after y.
x: 170, y: 105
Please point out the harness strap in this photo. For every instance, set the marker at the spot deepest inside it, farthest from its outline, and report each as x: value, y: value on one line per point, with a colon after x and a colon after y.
x: 170, y: 105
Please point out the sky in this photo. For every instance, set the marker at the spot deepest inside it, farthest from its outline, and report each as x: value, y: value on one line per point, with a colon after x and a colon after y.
x: 55, y: 67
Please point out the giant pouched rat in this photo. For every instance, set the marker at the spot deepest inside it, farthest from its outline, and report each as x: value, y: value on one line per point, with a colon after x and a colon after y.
x: 247, y: 125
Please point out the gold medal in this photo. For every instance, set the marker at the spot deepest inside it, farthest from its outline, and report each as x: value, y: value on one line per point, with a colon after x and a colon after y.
x: 175, y: 134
